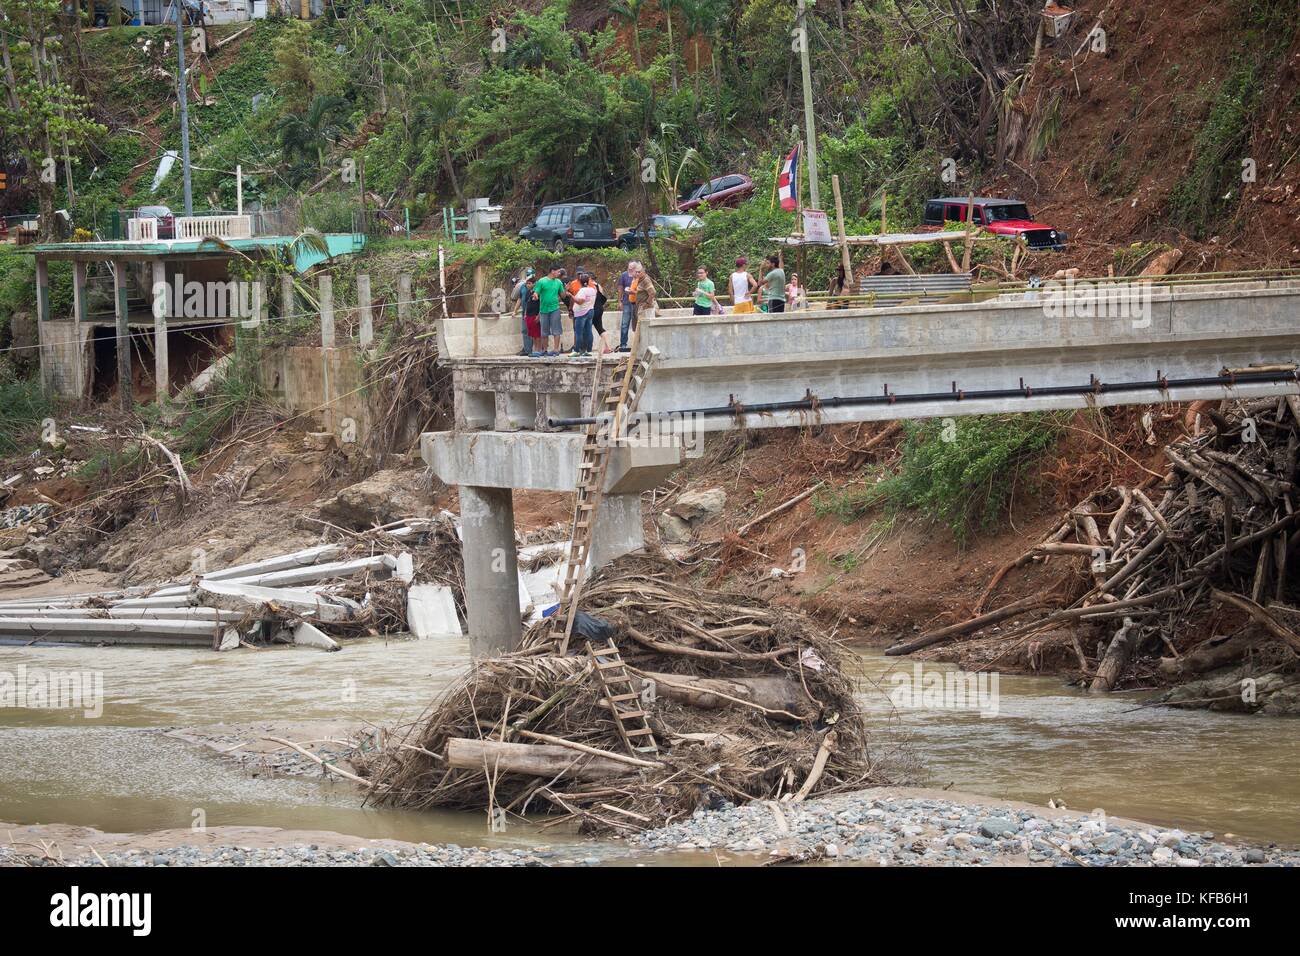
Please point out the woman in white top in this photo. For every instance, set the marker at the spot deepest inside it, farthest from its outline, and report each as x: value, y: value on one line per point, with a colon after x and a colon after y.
x: 743, y: 286
x: 795, y: 294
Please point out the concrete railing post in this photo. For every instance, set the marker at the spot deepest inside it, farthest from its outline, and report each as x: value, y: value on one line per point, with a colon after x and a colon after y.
x: 326, y: 312
x: 491, y: 570
x: 160, y: 303
x: 366, y: 332
x: 286, y: 298
x: 403, y: 296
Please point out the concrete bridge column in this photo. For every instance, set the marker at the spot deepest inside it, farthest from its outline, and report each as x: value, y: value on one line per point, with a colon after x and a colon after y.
x: 491, y: 569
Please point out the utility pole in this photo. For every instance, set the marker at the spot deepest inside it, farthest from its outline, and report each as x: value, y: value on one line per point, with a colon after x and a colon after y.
x: 802, y: 27
x: 185, y: 111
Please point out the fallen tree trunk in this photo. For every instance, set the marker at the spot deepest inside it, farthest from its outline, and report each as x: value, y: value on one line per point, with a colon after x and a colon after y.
x: 965, y: 627
x: 1116, y: 659
x: 777, y: 697
x: 535, y: 760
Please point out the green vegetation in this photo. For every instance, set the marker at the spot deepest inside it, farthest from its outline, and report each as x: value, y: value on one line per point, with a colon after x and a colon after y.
x: 22, y: 407
x: 959, y: 472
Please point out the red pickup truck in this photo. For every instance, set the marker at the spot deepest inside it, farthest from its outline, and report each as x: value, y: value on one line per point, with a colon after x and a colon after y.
x: 1002, y: 217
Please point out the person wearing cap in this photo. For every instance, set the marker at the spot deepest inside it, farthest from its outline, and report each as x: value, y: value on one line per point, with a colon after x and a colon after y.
x: 520, y: 294
x: 743, y: 286
x: 627, y: 299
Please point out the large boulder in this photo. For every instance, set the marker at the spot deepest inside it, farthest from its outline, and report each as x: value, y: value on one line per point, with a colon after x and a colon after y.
x: 696, y: 506
x: 385, y: 496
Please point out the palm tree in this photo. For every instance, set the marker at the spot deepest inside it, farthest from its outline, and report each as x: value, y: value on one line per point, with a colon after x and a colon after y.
x: 668, y: 6
x: 630, y: 10
x: 703, y: 18
x: 306, y: 135
x: 440, y: 109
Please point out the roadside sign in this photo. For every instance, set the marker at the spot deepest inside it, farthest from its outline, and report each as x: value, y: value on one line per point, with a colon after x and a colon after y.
x: 817, y: 227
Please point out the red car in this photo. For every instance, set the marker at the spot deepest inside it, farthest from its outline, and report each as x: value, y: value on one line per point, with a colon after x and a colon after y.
x: 1002, y: 217
x: 724, y: 191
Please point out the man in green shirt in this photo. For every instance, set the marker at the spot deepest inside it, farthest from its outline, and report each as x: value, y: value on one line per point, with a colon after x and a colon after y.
x: 547, y: 292
x: 705, y: 300
x: 773, y: 286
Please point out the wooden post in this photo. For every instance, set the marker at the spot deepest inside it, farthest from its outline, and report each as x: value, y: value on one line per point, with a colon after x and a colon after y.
x: 970, y: 235
x: 79, y: 313
x: 884, y: 200
x: 160, y: 301
x: 403, y: 296
x: 844, y: 239
x: 366, y: 333
x: 120, y: 268
x: 442, y: 279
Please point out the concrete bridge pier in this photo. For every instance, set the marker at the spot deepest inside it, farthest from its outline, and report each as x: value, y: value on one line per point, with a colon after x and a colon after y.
x: 488, y: 466
x: 487, y: 517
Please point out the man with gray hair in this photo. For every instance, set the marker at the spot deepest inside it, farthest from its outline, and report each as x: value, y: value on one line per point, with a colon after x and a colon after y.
x: 627, y: 299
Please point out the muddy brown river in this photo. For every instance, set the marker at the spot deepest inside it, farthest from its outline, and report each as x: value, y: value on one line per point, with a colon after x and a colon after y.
x: 116, y: 772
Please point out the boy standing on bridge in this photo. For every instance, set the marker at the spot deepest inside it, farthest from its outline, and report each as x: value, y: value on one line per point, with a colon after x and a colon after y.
x: 547, y: 292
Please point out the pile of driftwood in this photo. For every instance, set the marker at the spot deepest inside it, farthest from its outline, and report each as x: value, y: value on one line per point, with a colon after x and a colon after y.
x: 745, y: 701
x: 1156, y: 561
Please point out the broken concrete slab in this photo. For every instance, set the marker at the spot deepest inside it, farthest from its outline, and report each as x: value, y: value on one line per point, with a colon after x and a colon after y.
x: 431, y: 611
x: 253, y: 599
x: 306, y: 634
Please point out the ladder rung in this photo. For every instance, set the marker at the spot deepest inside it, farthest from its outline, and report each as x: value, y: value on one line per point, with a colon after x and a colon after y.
x: 631, y: 714
x: 606, y: 666
x: 619, y: 698
x: 639, y: 732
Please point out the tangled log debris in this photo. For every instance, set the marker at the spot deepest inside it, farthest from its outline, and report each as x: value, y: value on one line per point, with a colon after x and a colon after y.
x: 1223, y: 535
x: 746, y: 701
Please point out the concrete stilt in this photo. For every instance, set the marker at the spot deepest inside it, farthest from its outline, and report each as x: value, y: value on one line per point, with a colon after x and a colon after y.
x: 491, y: 569
x: 161, y: 299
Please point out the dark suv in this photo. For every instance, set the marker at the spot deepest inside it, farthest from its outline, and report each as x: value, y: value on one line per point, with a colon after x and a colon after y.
x: 571, y: 224
x: 1002, y: 217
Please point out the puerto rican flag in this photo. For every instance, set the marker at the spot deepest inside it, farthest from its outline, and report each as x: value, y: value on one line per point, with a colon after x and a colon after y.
x: 788, y: 182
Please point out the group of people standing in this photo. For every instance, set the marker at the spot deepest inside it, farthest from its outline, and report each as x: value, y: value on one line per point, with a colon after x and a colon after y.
x: 543, y: 301
x: 748, y: 294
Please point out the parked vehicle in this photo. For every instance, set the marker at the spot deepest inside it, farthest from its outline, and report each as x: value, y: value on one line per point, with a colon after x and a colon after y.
x: 1002, y: 217
x: 571, y: 224
x: 661, y: 227
x: 726, y: 190
x: 166, y: 221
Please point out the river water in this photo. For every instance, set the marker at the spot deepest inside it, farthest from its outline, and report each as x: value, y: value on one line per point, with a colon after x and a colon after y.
x: 116, y: 772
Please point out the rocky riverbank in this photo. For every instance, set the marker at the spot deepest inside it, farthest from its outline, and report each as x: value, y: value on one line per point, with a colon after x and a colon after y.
x: 901, y: 826
x: 59, y: 845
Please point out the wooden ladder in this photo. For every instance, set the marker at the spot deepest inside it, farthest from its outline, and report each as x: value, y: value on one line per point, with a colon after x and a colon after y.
x: 613, y: 400
x: 630, y: 717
